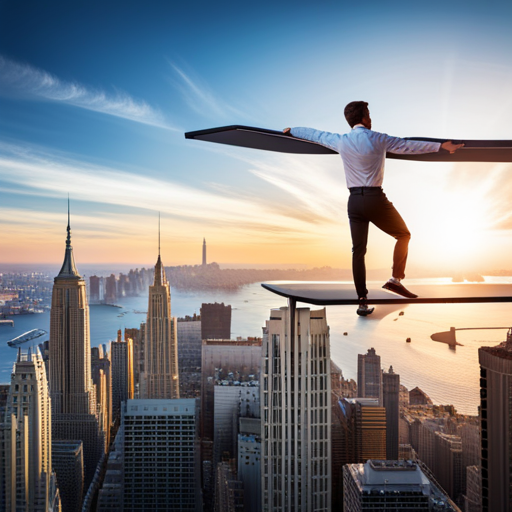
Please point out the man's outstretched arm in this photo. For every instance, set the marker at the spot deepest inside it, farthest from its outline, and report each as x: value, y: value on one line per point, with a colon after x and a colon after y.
x: 327, y: 139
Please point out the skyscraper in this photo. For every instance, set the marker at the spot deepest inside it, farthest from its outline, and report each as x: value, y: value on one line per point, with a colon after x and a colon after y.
x: 296, y: 412
x: 26, y: 465
x: 204, y: 252
x: 74, y: 414
x: 161, y: 347
x: 391, y: 485
x: 369, y: 375
x: 391, y: 402
x: 161, y: 456
x: 496, y: 425
x: 215, y: 321
x: 101, y: 371
x: 122, y: 372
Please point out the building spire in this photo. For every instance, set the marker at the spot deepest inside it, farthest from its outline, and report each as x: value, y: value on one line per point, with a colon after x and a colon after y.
x: 68, y: 267
x: 159, y: 271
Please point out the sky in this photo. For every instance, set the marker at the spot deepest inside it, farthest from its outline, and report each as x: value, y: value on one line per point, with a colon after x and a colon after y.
x: 95, y: 98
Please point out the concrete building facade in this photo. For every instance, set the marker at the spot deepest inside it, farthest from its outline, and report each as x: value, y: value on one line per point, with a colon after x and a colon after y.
x: 26, y: 476
x: 296, y: 413
x: 369, y: 375
x: 496, y: 425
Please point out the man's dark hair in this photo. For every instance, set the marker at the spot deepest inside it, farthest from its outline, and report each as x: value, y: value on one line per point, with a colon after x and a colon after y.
x: 355, y: 111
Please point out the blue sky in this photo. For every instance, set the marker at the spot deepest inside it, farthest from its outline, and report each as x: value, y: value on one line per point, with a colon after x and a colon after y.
x: 95, y: 98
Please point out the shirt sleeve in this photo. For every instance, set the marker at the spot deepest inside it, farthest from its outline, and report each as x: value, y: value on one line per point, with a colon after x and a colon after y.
x: 327, y: 139
x: 411, y: 147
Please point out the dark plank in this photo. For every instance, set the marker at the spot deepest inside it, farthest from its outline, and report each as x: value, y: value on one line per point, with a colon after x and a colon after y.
x: 333, y: 294
x: 272, y: 140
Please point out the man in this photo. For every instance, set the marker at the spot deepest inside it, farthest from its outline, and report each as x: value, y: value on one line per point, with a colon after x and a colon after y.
x: 363, y: 152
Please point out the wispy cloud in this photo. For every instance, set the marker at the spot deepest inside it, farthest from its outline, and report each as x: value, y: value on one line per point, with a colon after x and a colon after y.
x: 23, y: 79
x: 200, y: 98
x: 32, y: 171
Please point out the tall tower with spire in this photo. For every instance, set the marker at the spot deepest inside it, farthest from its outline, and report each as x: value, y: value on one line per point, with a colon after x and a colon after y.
x: 204, y: 252
x: 74, y: 411
x: 161, y: 349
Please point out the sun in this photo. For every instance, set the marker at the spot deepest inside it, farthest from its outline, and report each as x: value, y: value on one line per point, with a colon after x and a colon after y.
x: 456, y: 231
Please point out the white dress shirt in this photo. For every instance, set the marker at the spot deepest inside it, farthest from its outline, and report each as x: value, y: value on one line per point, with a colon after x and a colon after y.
x: 364, y: 151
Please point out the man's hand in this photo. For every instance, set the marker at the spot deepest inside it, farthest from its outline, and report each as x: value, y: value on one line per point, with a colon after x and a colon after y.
x: 450, y: 146
x: 287, y: 131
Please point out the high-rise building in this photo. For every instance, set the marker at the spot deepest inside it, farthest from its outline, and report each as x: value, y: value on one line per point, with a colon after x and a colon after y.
x: 224, y: 361
x: 369, y: 375
x: 391, y: 485
x: 101, y: 372
x: 249, y: 462
x: 204, y: 252
x: 496, y: 425
x: 296, y: 412
x: 74, y: 412
x: 161, y: 456
x: 26, y: 475
x: 96, y: 290
x: 68, y: 462
x: 367, y: 429
x: 137, y: 336
x: 160, y: 351
x: 391, y: 402
x: 122, y: 372
x: 110, y: 289
x: 189, y: 355
x: 215, y: 321
x: 229, y: 493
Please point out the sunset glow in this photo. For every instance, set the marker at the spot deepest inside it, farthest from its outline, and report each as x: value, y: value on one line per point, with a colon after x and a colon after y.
x: 104, y: 121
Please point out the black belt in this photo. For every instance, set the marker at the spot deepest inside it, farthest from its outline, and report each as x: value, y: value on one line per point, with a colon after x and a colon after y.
x: 365, y: 190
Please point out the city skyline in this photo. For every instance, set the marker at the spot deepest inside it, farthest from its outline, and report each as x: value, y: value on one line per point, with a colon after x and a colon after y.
x: 95, y: 103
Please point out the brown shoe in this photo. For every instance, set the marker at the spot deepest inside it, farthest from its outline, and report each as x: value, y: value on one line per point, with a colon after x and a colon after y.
x: 400, y: 289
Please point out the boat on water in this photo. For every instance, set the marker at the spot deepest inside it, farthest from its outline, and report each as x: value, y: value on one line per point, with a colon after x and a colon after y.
x: 27, y: 336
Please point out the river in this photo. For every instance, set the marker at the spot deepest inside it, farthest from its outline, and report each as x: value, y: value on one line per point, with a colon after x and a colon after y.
x: 448, y: 376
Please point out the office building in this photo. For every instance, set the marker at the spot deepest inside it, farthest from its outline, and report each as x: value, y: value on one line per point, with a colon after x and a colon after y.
x: 138, y: 338
x: 96, y: 290
x: 161, y: 455
x: 110, y: 496
x: 161, y: 346
x: 122, y: 372
x: 369, y: 375
x: 249, y: 462
x: 189, y: 355
x: 296, y: 412
x: 215, y: 321
x: 74, y: 412
x: 229, y: 492
x: 68, y: 463
x: 391, y: 402
x: 367, y: 421
x: 473, y: 496
x: 226, y: 362
x: 27, y: 480
x: 101, y: 372
x: 391, y: 485
x: 496, y: 425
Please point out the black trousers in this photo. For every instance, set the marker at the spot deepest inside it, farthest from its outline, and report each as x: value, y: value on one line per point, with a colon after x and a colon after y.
x: 370, y: 204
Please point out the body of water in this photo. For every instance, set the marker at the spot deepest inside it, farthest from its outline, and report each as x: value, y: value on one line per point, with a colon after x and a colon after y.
x: 448, y: 376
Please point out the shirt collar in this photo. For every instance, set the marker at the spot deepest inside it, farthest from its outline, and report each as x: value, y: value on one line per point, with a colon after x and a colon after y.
x: 358, y: 126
